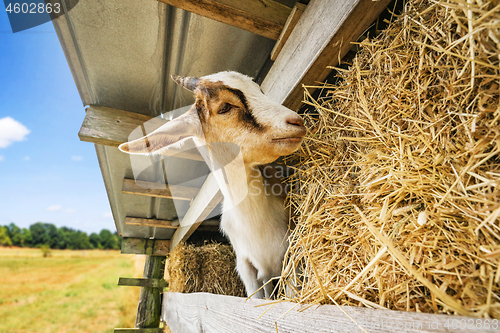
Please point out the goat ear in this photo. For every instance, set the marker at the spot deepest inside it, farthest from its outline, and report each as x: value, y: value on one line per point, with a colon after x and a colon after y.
x: 187, y: 125
x: 188, y: 82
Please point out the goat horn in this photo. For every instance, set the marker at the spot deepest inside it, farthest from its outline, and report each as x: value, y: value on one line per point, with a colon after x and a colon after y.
x: 188, y: 82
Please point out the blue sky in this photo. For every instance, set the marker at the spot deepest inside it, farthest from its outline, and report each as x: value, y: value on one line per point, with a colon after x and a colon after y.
x: 48, y: 174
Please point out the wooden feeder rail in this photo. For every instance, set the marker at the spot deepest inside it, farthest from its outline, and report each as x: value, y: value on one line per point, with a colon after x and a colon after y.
x: 141, y: 187
x: 138, y: 330
x: 209, y: 313
x: 138, y: 282
x: 139, y: 221
x: 150, y: 247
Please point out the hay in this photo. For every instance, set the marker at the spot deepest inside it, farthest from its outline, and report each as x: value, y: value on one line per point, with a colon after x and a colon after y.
x: 397, y: 189
x: 209, y: 268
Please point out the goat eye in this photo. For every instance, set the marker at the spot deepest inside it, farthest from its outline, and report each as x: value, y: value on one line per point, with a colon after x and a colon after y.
x: 225, y: 108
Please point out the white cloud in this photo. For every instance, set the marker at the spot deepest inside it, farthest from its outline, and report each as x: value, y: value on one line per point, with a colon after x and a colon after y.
x: 107, y: 215
x: 11, y: 131
x: 26, y: 158
x: 76, y: 158
x: 1, y: 158
x: 69, y: 210
x: 54, y: 208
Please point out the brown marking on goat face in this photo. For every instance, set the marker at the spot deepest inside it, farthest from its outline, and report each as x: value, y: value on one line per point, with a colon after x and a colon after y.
x: 226, y: 115
x: 213, y: 98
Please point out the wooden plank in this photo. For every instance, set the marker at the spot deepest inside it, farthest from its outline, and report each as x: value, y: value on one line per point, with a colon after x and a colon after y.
x: 143, y: 222
x: 137, y: 282
x: 290, y: 24
x: 138, y: 330
x: 264, y: 18
x: 154, y: 247
x: 150, y: 189
x: 321, y: 37
x: 202, y: 312
x: 112, y: 127
x: 161, y: 247
x: 108, y: 126
x: 206, y: 200
x: 150, y: 300
x: 136, y: 245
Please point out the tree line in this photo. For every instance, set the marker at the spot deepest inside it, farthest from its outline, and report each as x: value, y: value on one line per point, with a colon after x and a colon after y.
x: 46, y: 234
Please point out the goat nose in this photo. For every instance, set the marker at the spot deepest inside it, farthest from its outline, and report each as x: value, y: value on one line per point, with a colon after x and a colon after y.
x: 295, y: 121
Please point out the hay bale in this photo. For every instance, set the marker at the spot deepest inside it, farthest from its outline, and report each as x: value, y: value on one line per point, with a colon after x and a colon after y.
x: 209, y: 268
x: 397, y: 188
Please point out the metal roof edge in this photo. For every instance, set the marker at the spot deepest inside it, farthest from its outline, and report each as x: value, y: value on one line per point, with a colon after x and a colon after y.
x: 66, y: 35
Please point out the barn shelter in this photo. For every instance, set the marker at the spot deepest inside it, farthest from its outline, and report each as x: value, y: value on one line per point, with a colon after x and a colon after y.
x: 122, y: 54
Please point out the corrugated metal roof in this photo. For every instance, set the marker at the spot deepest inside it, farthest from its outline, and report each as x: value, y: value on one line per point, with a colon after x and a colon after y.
x: 121, y: 54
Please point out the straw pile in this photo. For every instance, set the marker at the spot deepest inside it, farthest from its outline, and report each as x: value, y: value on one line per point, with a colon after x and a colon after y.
x: 209, y: 268
x: 397, y: 188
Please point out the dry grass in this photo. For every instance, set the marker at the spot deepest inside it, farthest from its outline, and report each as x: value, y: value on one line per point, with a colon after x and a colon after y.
x: 397, y: 192
x: 72, y: 291
x: 210, y: 268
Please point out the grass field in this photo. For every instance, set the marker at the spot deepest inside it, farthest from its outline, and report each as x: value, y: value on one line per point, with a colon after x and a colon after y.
x: 70, y: 292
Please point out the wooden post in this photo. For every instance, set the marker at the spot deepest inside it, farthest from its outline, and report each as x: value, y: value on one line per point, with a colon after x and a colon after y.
x: 150, y: 300
x: 152, y: 284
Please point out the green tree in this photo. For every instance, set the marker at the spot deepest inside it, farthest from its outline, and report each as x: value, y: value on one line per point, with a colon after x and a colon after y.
x: 40, y: 234
x: 95, y: 241
x: 110, y: 240
x: 15, y: 234
x: 4, y: 237
x: 107, y: 240
x: 79, y: 240
x: 63, y: 238
x: 48, y: 234
x: 27, y: 239
x: 46, y: 251
x: 52, y: 232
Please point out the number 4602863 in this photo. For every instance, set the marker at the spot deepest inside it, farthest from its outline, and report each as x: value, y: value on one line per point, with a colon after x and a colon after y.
x: 33, y: 8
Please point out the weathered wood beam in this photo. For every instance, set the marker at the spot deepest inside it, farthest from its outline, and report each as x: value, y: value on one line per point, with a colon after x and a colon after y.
x: 322, y: 36
x: 143, y: 222
x: 152, y: 247
x: 264, y: 18
x: 150, y: 189
x: 290, y: 24
x: 137, y: 282
x: 138, y: 330
x: 150, y: 300
x: 209, y: 313
x: 206, y: 200
x: 112, y: 127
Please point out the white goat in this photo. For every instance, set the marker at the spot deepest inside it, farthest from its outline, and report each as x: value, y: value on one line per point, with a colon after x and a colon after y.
x: 231, y: 108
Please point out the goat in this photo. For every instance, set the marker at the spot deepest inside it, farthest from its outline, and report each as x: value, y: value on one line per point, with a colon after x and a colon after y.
x: 231, y: 108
